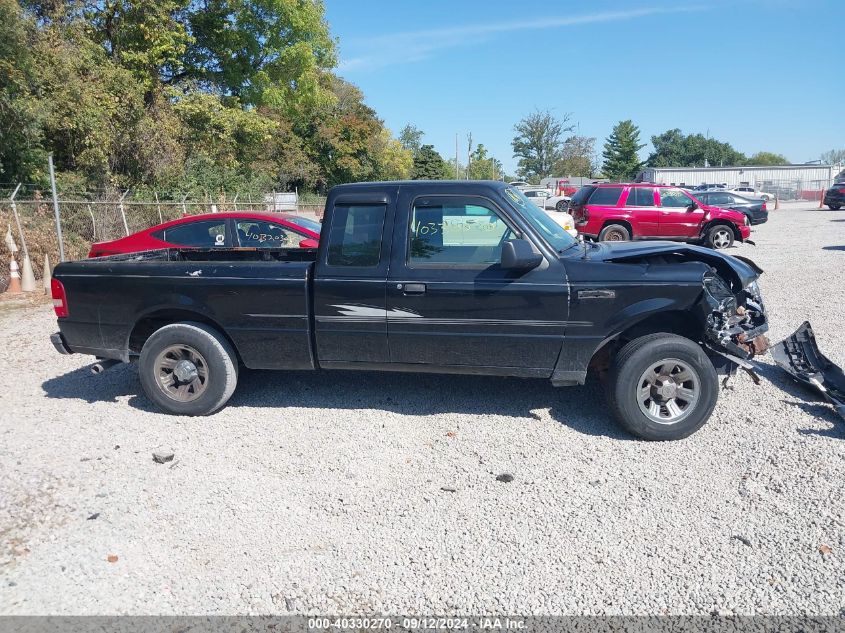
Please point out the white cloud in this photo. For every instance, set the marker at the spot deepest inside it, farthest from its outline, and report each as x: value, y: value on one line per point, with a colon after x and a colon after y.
x: 399, y: 48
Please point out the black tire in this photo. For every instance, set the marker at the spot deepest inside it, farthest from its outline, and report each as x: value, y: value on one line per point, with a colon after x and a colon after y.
x: 636, y: 360
x: 562, y: 205
x: 719, y: 237
x: 614, y: 233
x: 215, y: 355
x: 834, y: 207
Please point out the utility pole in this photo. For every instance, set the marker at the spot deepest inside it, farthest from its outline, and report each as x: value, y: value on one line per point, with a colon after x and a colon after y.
x: 456, y: 157
x: 469, y: 152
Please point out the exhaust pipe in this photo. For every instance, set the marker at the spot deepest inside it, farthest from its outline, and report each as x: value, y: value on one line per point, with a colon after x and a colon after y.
x: 102, y: 365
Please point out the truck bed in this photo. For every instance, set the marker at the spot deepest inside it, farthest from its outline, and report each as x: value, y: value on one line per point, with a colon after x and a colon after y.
x: 259, y: 297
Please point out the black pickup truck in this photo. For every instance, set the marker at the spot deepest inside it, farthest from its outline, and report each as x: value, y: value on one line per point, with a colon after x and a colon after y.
x: 427, y: 276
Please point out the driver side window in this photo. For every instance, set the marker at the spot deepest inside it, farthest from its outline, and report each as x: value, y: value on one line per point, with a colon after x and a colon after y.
x: 446, y: 231
x: 674, y: 198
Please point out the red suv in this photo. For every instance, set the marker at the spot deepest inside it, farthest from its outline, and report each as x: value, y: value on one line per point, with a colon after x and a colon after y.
x: 618, y: 212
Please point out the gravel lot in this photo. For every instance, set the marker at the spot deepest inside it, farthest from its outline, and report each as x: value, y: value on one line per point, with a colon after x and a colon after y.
x: 345, y: 493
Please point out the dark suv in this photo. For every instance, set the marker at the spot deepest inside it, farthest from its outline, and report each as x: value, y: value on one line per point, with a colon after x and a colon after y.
x: 834, y: 197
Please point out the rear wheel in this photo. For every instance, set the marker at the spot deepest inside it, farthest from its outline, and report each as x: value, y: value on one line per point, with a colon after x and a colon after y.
x: 614, y: 233
x: 662, y: 387
x: 562, y: 205
x: 835, y: 207
x: 188, y: 369
x: 720, y: 236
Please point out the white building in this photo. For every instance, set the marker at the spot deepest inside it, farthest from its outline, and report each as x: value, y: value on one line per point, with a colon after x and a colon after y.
x: 787, y: 181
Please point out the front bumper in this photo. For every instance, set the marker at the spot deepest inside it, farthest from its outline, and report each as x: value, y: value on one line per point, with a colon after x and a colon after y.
x: 800, y: 357
x: 60, y: 344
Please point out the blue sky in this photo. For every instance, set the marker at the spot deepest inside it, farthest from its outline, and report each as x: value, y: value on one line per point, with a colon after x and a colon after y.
x: 761, y: 75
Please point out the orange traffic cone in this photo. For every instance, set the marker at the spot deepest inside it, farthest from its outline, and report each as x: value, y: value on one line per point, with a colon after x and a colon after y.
x: 15, y: 281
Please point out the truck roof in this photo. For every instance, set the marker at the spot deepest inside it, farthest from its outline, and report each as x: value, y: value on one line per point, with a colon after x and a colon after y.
x: 485, y: 184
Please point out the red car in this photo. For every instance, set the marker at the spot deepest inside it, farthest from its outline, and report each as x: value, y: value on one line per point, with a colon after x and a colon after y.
x: 616, y: 212
x: 209, y: 230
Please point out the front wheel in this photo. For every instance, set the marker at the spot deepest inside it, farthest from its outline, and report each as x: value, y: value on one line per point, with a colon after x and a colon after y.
x: 720, y: 236
x: 662, y: 387
x: 562, y: 205
x: 188, y: 369
x: 834, y: 207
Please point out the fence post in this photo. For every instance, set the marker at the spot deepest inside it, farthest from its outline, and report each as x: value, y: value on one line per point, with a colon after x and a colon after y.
x: 158, y: 206
x: 123, y: 213
x: 56, y: 208
x: 235, y: 201
x: 184, y: 208
x: 93, y: 221
x: 18, y: 220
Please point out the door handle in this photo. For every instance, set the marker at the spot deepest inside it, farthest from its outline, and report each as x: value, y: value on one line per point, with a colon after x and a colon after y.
x: 412, y: 289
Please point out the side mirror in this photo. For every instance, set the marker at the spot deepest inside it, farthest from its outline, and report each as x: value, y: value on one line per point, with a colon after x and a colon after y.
x: 308, y: 243
x: 692, y: 207
x: 519, y: 255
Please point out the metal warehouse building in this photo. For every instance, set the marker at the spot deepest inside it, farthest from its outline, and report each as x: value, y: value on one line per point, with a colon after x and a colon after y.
x: 788, y: 182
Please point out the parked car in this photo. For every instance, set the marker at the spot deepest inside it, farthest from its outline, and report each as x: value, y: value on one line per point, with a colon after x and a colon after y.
x: 754, y: 210
x: 750, y: 192
x: 834, y: 197
x: 546, y: 199
x: 219, y: 230
x: 426, y: 276
x: 620, y: 212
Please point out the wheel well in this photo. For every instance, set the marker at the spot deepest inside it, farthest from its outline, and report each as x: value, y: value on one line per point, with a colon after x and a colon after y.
x: 733, y: 227
x: 671, y: 322
x: 624, y: 223
x: 146, y: 326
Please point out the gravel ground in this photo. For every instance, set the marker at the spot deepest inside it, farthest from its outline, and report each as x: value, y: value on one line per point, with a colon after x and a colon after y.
x: 347, y: 493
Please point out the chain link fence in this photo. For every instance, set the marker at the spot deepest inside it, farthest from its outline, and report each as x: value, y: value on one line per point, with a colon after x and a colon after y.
x: 86, y: 218
x: 793, y: 189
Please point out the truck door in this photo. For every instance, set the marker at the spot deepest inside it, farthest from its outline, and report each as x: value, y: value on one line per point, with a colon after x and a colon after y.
x: 677, y: 218
x: 449, y: 302
x: 350, y: 320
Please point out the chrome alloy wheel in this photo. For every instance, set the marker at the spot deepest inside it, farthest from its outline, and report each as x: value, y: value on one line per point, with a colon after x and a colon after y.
x: 668, y: 391
x: 181, y: 373
x: 722, y: 238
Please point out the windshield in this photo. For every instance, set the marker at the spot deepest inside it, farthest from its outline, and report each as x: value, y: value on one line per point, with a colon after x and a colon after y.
x: 305, y: 223
x: 553, y: 232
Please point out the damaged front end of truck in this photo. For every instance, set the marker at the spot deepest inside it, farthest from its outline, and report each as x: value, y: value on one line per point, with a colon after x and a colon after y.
x: 735, y: 323
x: 730, y: 310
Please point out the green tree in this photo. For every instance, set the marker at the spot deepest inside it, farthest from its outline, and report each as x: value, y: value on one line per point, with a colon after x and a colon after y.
x: 675, y: 149
x: 538, y: 143
x: 482, y: 166
x: 621, y: 161
x: 265, y: 52
x: 411, y: 138
x: 428, y: 164
x: 767, y: 158
x: 577, y: 157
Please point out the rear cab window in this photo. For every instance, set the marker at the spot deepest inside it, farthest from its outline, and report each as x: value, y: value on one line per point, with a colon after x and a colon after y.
x: 355, y: 236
